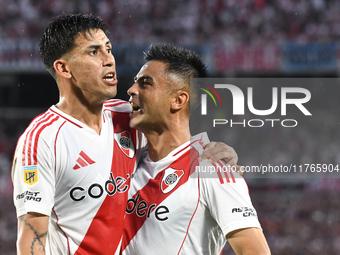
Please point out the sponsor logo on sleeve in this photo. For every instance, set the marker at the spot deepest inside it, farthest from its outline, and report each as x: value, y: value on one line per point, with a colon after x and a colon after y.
x: 245, y: 211
x: 30, y: 175
x: 29, y: 195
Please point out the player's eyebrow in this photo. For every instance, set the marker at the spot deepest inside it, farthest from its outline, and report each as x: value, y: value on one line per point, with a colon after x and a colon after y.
x: 147, y: 77
x: 97, y: 46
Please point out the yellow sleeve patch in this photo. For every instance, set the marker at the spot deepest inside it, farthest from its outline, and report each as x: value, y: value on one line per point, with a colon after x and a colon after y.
x: 30, y: 175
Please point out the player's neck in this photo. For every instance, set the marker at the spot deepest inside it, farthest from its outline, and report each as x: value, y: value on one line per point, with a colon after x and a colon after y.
x: 90, y: 115
x: 160, y: 145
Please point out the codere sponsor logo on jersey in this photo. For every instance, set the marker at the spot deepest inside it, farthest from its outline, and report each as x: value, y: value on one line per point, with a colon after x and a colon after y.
x: 145, y: 208
x: 30, y: 175
x: 125, y: 143
x: 96, y: 190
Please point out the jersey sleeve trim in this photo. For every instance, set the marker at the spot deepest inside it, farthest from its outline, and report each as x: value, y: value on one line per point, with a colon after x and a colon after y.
x: 37, y: 209
x: 240, y: 225
x: 65, y: 118
x: 114, y: 102
x: 117, y: 105
x: 30, y: 148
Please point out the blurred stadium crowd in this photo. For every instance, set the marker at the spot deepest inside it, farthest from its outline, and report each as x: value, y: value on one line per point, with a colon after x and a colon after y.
x: 296, y: 225
x: 221, y: 21
x: 246, y: 35
x: 298, y: 218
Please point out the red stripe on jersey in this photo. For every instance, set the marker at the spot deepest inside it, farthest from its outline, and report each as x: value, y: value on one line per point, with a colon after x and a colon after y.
x: 26, y: 137
x: 55, y: 147
x: 192, y: 156
x: 24, y: 146
x: 87, y: 158
x: 178, y: 152
x: 146, y: 196
x: 199, y: 142
x: 232, y: 176
x: 105, y: 231
x: 218, y: 173
x: 68, y: 243
x: 27, y: 148
x: 115, y: 103
x: 111, y: 101
x: 35, y: 150
x: 66, y: 119
x: 229, y: 170
x: 224, y: 170
x: 226, y: 176
x: 193, y: 153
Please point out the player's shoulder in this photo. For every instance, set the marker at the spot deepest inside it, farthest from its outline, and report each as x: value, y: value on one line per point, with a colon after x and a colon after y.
x: 197, y: 144
x: 220, y: 172
x: 45, y: 124
x: 48, y: 119
x: 117, y: 105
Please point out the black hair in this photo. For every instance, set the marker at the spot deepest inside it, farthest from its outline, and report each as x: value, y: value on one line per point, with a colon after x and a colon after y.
x: 59, y: 36
x: 179, y: 60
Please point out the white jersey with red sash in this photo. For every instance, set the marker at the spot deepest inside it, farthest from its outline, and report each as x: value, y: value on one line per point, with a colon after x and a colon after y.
x: 173, y: 208
x: 79, y: 178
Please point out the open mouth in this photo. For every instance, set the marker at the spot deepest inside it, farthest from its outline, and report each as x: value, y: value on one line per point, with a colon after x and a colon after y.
x: 109, y: 77
x: 135, y: 108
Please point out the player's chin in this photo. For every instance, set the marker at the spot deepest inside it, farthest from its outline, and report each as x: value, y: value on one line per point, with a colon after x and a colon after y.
x: 113, y: 92
x: 133, y: 121
x: 109, y: 94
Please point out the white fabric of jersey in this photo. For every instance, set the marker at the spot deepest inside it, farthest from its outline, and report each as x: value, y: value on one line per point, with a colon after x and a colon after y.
x: 64, y: 169
x: 175, y: 208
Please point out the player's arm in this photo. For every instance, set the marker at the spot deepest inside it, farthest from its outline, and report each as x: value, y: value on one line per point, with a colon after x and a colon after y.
x: 32, y: 232
x: 248, y: 241
x: 215, y: 151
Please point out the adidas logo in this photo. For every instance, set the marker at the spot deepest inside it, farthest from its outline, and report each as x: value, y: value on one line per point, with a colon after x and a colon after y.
x: 83, y: 161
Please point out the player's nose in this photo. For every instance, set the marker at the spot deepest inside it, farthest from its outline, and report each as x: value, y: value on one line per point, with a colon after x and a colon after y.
x: 108, y: 59
x: 132, y: 90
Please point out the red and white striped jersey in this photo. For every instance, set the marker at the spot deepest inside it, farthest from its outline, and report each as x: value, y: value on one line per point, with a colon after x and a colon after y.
x: 176, y: 207
x: 64, y: 169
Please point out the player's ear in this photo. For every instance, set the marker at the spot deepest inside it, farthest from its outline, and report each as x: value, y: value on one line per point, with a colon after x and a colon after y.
x: 61, y: 68
x: 179, y: 100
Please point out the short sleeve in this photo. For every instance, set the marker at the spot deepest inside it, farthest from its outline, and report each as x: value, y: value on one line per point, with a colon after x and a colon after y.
x: 34, y: 184
x: 226, y: 195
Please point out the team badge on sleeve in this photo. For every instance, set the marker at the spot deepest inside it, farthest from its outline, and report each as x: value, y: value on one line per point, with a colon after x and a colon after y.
x: 30, y: 175
x: 170, y: 179
x: 125, y: 143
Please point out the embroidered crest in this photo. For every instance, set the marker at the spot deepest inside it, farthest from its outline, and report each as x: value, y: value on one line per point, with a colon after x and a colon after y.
x: 170, y: 179
x: 125, y: 143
